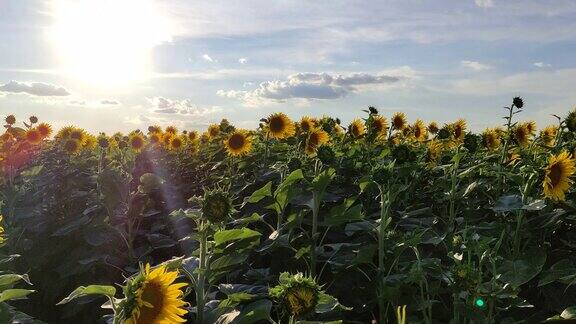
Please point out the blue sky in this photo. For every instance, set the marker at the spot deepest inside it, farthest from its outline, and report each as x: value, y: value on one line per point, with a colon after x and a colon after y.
x: 122, y: 64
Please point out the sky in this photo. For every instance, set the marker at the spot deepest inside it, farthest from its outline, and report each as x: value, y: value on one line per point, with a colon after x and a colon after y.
x: 117, y: 65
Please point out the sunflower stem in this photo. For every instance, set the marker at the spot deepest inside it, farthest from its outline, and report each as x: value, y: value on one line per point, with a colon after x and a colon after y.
x: 201, y: 279
x: 384, y: 221
x: 315, y: 210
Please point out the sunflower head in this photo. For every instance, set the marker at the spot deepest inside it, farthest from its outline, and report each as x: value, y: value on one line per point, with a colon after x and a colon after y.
x: 521, y: 134
x: 471, y: 142
x: 297, y: 294
x: 557, y: 176
x: 10, y: 120
x: 491, y: 139
x: 176, y: 143
x: 399, y: 120
x: 72, y: 145
x: 459, y: 129
x: 433, y: 152
x: 33, y: 136
x: 216, y: 206
x: 137, y: 141
x: 326, y: 154
x: 306, y: 124
x: 531, y: 127
x: 518, y: 102
x: 357, y: 128
x: 419, y: 131
x: 548, y: 135
x: 571, y: 121
x: 225, y: 126
x: 154, y: 129
x: 153, y: 297
x: 171, y: 130
x: 279, y: 126
x: 103, y: 141
x: 89, y: 142
x: 238, y: 143
x: 316, y: 138
x: 377, y: 127
x: 45, y: 129
x: 433, y: 127
x: 213, y: 131
x: 193, y: 135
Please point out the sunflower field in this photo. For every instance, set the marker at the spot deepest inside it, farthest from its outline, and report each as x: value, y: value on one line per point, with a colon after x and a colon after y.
x: 382, y: 220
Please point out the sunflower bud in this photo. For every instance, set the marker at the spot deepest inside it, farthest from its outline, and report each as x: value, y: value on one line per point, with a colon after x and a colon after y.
x: 297, y: 294
x: 33, y: 119
x: 571, y: 121
x: 216, y: 206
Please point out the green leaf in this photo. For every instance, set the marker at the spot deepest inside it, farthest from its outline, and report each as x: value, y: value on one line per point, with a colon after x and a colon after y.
x: 569, y: 313
x: 290, y: 179
x: 261, y: 193
x: 89, y: 290
x: 228, y: 260
x: 561, y: 270
x: 10, y: 294
x: 344, y: 213
x: 522, y: 270
x: 254, y: 312
x: 320, y: 183
x: 508, y: 203
x: 327, y: 303
x: 223, y: 237
x: 11, y: 278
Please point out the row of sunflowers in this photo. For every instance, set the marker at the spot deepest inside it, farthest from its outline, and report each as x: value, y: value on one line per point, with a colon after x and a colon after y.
x: 308, y: 221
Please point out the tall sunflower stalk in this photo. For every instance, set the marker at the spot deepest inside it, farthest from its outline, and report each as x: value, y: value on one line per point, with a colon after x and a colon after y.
x: 319, y: 185
x: 515, y: 108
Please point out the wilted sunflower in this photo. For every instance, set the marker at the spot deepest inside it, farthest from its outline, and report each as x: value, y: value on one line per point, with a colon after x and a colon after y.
x: 433, y: 127
x: 357, y: 128
x: 379, y: 126
x: 238, y: 143
x: 521, y: 134
x: 137, y: 141
x: 297, y: 294
x: 459, y: 129
x: 72, y: 146
x: 557, y: 176
x: 213, y: 131
x: 153, y: 297
x: 491, y: 139
x: 279, y: 126
x: 306, y: 124
x: 419, y: 131
x: 316, y: 138
x: 33, y: 136
x: 45, y: 129
x: 399, y: 120
x: 548, y: 135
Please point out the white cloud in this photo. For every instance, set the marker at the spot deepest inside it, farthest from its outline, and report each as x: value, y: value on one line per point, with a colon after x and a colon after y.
x: 242, y: 60
x: 208, y: 58
x: 34, y: 88
x: 109, y: 102
x: 313, y: 86
x: 542, y: 65
x: 162, y: 105
x: 484, y: 3
x: 474, y: 65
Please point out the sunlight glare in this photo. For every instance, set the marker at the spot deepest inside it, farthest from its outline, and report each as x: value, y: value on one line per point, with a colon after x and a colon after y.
x: 108, y: 42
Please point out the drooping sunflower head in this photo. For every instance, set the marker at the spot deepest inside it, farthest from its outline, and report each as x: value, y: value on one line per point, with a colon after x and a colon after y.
x: 419, y: 131
x: 357, y: 128
x: 137, y: 141
x: 33, y: 136
x: 238, y: 143
x: 433, y: 127
x: 379, y: 126
x: 518, y: 102
x: 279, y: 126
x: 399, y: 120
x: 491, y: 139
x: 216, y: 206
x: 571, y: 121
x: 153, y: 297
x: 548, y: 135
x: 316, y: 138
x: 297, y: 294
x: 557, y: 176
x: 459, y: 129
x: 306, y: 124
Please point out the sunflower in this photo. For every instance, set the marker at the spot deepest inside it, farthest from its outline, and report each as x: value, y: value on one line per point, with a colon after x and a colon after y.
x: 548, y: 135
x: 33, y: 136
x: 458, y: 129
x: 279, y: 126
x: 433, y: 127
x: 171, y: 130
x: 64, y: 133
x: 491, y: 139
x: 137, y: 141
x: 154, y: 129
x: 155, y: 298
x: 357, y: 128
x: 238, y: 143
x: 297, y: 294
x: 90, y: 142
x: 571, y: 120
x: 399, y: 120
x: 557, y: 176
x: 213, y: 131
x: 10, y: 120
x: 379, y: 126
x: 307, y: 123
x: 79, y: 135
x: 72, y: 146
x: 192, y: 135
x: 521, y: 134
x: 531, y: 127
x: 166, y: 139
x: 176, y: 143
x: 155, y: 138
x: 419, y: 131
x: 433, y: 152
x: 316, y: 138
x: 45, y: 130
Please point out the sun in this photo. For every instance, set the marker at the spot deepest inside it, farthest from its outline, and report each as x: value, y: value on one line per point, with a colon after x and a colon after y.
x: 108, y: 42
